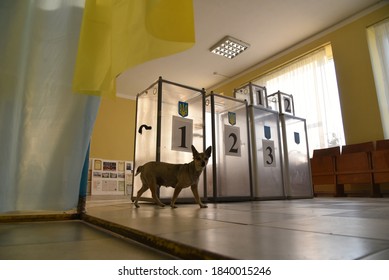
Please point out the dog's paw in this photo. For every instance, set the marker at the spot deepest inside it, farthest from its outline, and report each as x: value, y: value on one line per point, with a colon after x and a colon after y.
x: 136, y: 205
x: 173, y: 206
x: 203, y: 206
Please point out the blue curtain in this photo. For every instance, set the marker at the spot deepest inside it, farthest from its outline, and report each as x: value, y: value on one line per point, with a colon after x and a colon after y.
x: 45, y: 128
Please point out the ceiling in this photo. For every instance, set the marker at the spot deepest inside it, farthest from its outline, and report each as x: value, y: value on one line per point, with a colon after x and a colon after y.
x: 269, y: 26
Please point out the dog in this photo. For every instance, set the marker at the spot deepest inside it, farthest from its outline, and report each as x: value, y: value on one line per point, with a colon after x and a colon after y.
x: 178, y: 176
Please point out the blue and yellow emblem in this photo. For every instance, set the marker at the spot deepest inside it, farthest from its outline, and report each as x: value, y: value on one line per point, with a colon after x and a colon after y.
x: 297, y: 138
x: 183, y: 109
x: 267, y: 131
x: 232, y: 118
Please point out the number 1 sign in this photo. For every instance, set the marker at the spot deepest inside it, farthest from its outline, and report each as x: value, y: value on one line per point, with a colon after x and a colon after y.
x: 182, y: 134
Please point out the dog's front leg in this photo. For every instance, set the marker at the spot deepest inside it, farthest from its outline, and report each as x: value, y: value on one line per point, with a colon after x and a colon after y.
x: 196, y: 196
x: 177, y: 190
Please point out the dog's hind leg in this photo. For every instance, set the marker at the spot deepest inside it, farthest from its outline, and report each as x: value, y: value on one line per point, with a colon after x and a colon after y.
x: 197, y: 197
x: 153, y: 189
x: 139, y: 194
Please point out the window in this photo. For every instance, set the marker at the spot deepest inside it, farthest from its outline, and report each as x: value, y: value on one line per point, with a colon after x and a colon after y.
x: 312, y: 81
x: 378, y: 38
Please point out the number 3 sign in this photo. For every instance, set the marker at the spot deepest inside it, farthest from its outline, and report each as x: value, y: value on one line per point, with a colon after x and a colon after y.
x: 269, y: 159
x: 182, y: 134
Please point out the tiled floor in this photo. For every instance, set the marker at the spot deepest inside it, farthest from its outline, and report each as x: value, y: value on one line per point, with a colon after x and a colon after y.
x: 318, y: 229
x: 68, y: 240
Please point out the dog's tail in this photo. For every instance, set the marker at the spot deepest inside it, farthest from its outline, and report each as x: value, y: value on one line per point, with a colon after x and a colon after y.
x: 139, y: 170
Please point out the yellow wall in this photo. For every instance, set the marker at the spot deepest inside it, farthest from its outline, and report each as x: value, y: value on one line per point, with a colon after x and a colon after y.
x: 361, y: 117
x: 113, y: 133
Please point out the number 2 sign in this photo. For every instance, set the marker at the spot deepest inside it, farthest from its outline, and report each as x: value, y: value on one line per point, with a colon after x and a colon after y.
x: 287, y: 105
x: 232, y: 140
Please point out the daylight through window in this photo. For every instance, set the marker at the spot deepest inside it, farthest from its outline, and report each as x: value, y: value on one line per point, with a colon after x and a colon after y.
x: 378, y: 38
x: 311, y: 80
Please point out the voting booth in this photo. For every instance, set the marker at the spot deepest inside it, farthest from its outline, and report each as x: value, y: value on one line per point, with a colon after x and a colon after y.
x: 229, y: 171
x: 297, y: 170
x: 267, y: 153
x: 266, y: 148
x: 169, y: 119
x: 296, y: 162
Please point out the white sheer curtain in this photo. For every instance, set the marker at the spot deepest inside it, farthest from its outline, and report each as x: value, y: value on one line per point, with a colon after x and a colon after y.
x: 312, y: 82
x: 44, y: 128
x: 378, y: 38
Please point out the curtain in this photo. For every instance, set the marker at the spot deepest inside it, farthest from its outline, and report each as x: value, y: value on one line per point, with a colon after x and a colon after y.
x: 119, y: 34
x: 52, y: 50
x: 44, y: 127
x: 378, y: 38
x: 312, y: 82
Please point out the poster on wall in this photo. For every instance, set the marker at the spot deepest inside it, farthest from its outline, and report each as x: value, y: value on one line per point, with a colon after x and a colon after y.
x: 128, y: 177
x: 108, y: 177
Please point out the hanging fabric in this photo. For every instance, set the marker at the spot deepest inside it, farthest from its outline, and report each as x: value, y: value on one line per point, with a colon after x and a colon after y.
x: 119, y: 34
x: 45, y: 129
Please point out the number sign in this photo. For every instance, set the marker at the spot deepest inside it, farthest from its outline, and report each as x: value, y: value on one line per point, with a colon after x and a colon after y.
x: 269, y: 157
x: 182, y: 134
x: 232, y: 140
x: 287, y: 105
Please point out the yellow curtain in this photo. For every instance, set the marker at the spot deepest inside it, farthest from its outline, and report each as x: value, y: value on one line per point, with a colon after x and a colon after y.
x: 119, y: 34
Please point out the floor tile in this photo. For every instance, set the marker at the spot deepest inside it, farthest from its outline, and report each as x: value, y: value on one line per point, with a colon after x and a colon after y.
x: 319, y: 228
x: 380, y: 255
x: 72, y: 240
x: 250, y: 242
x: 347, y: 226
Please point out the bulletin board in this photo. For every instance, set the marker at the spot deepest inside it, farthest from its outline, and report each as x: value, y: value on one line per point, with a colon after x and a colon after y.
x: 110, y: 177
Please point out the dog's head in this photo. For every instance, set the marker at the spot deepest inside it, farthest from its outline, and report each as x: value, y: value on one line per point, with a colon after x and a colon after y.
x: 201, y: 159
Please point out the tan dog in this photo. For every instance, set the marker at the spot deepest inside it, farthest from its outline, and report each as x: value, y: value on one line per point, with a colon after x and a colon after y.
x: 178, y: 176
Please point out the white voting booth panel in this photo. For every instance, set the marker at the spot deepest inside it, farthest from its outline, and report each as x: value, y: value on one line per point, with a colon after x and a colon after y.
x: 145, y: 134
x: 253, y: 94
x: 228, y: 171
x: 281, y: 102
x: 297, y: 168
x: 170, y: 119
x: 267, y: 153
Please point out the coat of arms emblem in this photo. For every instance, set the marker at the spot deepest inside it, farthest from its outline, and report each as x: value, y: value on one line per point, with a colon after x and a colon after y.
x: 183, y: 109
x: 232, y: 118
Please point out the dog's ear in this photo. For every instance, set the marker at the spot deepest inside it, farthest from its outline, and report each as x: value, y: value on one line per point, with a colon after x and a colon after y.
x: 208, y: 151
x: 194, y: 151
